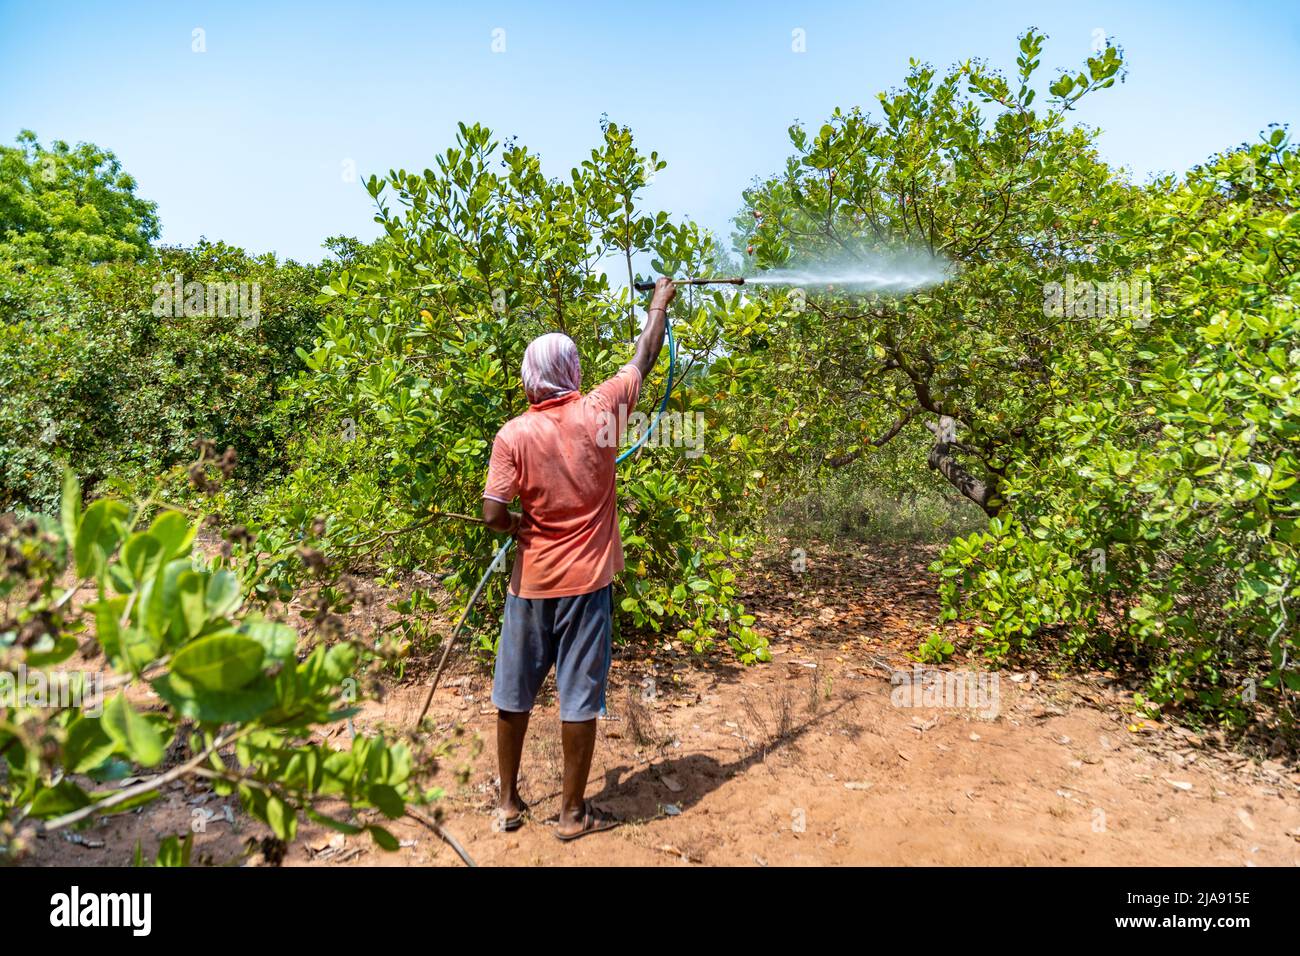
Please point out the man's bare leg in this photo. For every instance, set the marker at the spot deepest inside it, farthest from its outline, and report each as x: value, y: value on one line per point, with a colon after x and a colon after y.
x: 579, y: 740
x: 512, y: 727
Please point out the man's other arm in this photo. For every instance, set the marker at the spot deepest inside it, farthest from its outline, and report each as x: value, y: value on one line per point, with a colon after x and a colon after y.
x: 499, y: 518
x: 502, y: 486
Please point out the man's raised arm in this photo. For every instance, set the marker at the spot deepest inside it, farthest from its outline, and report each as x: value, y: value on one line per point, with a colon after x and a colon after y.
x: 651, y: 342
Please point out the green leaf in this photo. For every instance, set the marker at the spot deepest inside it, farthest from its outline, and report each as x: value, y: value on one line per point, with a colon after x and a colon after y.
x: 220, y: 662
x: 280, y: 817
x: 279, y: 641
x: 342, y: 826
x: 388, y: 800
x: 174, y: 532
x: 98, y: 534
x: 64, y: 797
x: 385, y: 839
x: 224, y: 596
x: 65, y: 645
x: 140, y: 647
x: 111, y: 770
x: 162, y: 602
x: 131, y: 803
x: 87, y: 745
x: 142, y: 555
x: 215, y: 707
x: 190, y: 613
x: 107, y: 632
x: 173, y: 852
x: 132, y: 733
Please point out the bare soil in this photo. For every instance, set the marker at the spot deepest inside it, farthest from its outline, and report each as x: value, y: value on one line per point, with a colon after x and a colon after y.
x: 817, y: 758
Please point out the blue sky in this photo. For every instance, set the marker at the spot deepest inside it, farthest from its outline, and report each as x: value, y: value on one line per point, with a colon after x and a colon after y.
x: 247, y: 141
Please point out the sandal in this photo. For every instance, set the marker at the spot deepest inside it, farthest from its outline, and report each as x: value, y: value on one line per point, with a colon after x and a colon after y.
x: 512, y: 823
x: 593, y: 821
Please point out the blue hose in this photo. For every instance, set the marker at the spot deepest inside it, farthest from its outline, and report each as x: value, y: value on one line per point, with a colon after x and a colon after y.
x: 668, y: 391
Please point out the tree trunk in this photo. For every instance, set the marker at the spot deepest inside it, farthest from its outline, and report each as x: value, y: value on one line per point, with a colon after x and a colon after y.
x: 942, y: 460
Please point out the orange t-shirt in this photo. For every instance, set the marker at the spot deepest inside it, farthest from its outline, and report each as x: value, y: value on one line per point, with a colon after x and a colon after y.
x: 558, y: 458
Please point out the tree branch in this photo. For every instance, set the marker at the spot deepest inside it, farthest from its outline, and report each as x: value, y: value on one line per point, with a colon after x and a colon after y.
x: 839, y: 461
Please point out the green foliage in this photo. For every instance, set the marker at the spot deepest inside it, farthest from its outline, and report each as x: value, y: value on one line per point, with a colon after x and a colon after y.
x: 1136, y: 462
x: 105, y: 369
x: 66, y: 205
x: 935, y: 649
x: 1168, y: 510
x: 172, y: 852
x: 1024, y: 587
x: 239, y: 708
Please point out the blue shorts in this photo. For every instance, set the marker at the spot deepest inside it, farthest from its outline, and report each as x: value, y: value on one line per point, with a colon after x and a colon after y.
x: 572, y: 633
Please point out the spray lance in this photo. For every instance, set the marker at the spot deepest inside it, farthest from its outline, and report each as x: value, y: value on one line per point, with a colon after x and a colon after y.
x: 498, y: 561
x: 732, y: 280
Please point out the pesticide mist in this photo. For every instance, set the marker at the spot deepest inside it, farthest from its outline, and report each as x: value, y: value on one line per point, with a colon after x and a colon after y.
x: 867, y: 273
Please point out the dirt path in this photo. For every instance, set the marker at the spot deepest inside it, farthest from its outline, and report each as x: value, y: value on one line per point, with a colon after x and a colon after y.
x: 817, y: 758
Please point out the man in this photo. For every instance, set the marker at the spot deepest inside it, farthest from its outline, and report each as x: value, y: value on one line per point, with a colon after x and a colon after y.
x: 559, y: 606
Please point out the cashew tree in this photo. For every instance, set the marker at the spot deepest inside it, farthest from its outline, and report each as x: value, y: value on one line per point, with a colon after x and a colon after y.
x: 967, y: 172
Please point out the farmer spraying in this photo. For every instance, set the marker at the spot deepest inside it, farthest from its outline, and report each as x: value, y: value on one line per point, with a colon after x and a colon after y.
x: 557, y: 460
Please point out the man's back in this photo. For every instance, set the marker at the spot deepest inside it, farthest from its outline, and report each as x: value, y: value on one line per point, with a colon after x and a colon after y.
x: 557, y: 459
